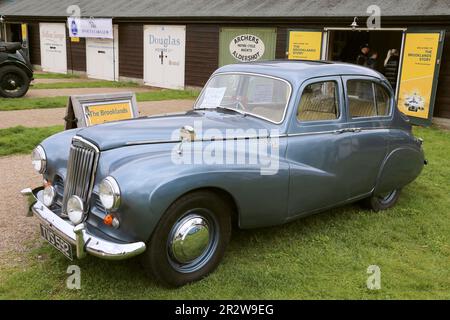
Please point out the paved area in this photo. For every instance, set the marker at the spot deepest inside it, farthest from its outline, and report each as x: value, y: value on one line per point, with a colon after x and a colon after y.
x: 42, y: 93
x: 51, y: 117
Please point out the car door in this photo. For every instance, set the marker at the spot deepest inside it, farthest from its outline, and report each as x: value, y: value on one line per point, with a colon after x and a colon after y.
x: 319, y: 147
x: 369, y: 105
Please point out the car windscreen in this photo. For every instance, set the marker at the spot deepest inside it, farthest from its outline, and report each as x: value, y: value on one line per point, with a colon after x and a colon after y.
x: 261, y: 96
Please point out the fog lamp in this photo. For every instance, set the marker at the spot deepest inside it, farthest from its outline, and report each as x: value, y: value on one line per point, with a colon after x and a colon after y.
x: 48, y: 195
x: 75, y: 209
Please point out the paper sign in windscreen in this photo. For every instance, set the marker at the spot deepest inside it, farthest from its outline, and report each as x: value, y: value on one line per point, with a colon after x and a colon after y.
x: 213, y: 97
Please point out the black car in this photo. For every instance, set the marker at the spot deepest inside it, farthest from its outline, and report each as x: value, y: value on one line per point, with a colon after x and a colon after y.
x: 16, y: 71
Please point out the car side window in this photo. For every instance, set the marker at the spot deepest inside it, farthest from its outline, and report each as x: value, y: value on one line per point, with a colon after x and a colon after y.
x: 367, y: 99
x: 319, y: 101
x: 383, y: 100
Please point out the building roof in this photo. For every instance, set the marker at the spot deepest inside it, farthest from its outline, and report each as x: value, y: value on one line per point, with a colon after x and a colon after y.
x: 223, y: 8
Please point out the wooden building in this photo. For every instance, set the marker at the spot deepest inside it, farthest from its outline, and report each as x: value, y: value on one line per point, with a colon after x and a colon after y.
x: 214, y: 32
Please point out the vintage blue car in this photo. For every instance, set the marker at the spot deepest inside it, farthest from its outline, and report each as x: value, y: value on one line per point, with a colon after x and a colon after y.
x: 265, y: 143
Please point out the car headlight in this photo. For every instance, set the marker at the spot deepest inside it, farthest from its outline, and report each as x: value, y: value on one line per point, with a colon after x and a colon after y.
x: 109, y: 193
x: 39, y: 159
x: 75, y: 209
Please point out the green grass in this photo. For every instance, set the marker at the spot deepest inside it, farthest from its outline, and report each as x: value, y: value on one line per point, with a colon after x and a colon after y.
x: 50, y: 75
x: 23, y: 140
x: 324, y: 256
x: 61, y: 102
x: 85, y: 84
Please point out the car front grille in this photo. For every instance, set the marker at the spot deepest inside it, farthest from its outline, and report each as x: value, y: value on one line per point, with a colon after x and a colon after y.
x: 81, y: 167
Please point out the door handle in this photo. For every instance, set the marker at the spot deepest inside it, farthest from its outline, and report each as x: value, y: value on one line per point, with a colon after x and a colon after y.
x: 339, y: 131
x: 354, y: 130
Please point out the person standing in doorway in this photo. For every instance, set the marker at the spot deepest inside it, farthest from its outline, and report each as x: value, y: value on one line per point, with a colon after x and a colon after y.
x: 363, y: 56
x: 372, y: 61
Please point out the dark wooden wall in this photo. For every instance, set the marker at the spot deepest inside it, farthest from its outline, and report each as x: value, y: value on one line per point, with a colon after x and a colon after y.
x: 442, y: 103
x: 202, y: 53
x: 34, y: 43
x: 131, y: 50
x: 76, y: 54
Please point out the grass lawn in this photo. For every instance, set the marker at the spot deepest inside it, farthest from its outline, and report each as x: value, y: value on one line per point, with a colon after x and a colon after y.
x: 61, y: 102
x: 23, y: 140
x: 85, y: 84
x: 322, y: 256
x: 51, y: 75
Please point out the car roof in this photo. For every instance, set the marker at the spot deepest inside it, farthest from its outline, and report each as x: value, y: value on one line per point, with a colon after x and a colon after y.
x: 298, y: 70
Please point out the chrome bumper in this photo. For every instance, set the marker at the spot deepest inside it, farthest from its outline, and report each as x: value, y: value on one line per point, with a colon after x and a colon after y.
x: 79, y: 237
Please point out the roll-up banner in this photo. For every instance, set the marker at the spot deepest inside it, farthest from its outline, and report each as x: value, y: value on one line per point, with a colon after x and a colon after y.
x: 418, y: 77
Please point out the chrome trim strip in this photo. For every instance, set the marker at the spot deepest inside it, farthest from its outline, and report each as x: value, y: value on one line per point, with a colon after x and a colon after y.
x: 82, y: 239
x: 252, y: 74
x: 349, y: 130
x: 132, y: 143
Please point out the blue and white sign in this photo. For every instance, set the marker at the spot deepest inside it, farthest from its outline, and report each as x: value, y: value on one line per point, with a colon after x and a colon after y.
x: 90, y: 27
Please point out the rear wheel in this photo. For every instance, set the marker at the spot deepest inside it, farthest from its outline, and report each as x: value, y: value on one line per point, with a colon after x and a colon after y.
x: 14, y: 82
x: 189, y: 240
x: 382, y: 201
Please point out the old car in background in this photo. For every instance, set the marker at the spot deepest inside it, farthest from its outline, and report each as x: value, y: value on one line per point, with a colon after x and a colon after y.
x: 117, y: 190
x: 16, y: 71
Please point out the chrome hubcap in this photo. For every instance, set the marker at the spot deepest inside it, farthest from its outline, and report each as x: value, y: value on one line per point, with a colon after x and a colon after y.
x: 192, y: 241
x: 387, y: 197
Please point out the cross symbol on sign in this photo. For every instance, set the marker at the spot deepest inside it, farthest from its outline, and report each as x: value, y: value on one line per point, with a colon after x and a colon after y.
x: 162, y: 56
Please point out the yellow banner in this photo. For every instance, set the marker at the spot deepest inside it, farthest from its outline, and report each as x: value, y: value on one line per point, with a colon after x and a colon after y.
x: 305, y: 45
x: 418, y: 68
x: 24, y: 32
x: 105, y: 112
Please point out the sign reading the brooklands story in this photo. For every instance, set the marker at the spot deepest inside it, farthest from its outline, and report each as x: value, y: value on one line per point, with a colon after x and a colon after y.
x: 247, y: 48
x: 417, y: 75
x: 305, y: 45
x: 90, y: 27
x: 88, y: 110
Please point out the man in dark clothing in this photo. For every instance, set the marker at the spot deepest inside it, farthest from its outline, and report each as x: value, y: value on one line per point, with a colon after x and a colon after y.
x: 362, y: 57
x: 372, y: 61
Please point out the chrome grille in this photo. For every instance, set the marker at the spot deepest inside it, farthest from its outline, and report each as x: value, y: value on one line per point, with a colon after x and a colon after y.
x: 81, y: 168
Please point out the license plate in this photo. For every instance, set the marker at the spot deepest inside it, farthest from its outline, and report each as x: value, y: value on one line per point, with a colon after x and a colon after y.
x: 56, y: 241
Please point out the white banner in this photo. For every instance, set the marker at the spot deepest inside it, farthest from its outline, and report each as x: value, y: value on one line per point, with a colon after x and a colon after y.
x: 90, y: 28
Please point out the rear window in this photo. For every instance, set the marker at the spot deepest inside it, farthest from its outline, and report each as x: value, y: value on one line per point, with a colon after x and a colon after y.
x: 367, y: 99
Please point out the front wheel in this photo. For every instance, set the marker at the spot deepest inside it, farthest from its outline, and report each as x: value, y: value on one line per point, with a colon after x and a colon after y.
x: 14, y: 82
x: 189, y: 240
x: 382, y: 201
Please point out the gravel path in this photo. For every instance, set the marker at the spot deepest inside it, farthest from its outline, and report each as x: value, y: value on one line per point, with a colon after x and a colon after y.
x: 51, y: 117
x: 15, y: 228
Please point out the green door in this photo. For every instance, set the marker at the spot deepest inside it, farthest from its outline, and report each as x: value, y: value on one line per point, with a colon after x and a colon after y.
x: 246, y: 44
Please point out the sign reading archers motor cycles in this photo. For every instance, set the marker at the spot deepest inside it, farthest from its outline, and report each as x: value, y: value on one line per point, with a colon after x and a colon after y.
x: 247, y: 48
x: 88, y: 110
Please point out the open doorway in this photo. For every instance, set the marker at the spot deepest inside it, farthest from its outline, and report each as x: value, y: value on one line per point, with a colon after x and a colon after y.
x: 383, y: 50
